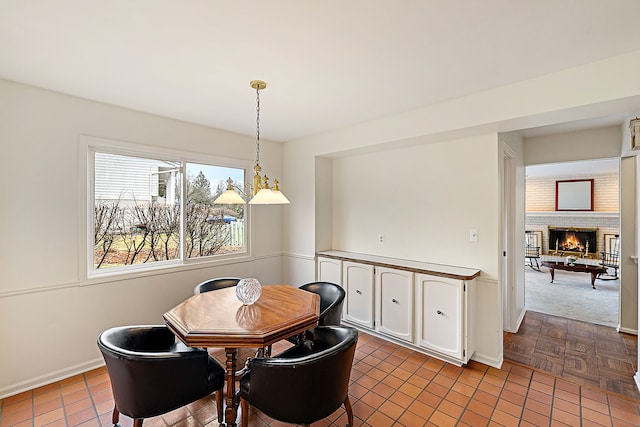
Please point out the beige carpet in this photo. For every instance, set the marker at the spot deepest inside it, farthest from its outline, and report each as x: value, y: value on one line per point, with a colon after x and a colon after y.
x: 571, y: 296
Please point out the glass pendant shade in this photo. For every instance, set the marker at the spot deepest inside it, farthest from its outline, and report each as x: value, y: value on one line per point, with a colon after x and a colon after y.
x: 282, y: 200
x: 230, y: 197
x: 267, y: 196
x: 277, y: 194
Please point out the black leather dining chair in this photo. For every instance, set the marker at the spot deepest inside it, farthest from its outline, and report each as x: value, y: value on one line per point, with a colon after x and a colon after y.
x: 305, y: 383
x: 215, y: 284
x: 151, y: 373
x: 331, y: 301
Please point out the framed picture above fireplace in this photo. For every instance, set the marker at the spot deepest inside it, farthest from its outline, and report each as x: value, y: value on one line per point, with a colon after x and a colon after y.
x: 574, y: 195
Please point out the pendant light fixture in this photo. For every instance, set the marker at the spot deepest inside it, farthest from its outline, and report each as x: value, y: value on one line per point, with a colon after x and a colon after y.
x: 230, y: 196
x: 262, y: 193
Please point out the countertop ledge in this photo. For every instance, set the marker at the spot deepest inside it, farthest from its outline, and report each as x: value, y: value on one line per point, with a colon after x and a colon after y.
x: 453, y: 272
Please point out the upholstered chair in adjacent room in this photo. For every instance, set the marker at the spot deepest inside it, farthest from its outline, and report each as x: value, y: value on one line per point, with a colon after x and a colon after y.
x: 305, y: 383
x: 151, y: 373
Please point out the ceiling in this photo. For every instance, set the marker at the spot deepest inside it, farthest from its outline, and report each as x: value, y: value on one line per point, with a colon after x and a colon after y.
x: 328, y: 64
x: 579, y: 168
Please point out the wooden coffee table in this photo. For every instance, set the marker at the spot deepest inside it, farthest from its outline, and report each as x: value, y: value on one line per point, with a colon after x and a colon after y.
x: 594, y: 270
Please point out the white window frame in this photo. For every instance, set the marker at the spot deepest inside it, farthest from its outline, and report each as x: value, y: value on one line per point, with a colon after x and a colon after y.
x: 88, y: 146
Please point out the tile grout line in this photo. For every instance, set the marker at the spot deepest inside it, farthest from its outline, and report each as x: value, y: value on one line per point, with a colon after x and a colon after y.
x: 380, y: 381
x: 430, y: 381
x: 498, y: 397
x: 466, y: 406
x: 93, y: 403
x: 424, y: 389
x: 448, y: 391
x: 610, y: 411
x: 553, y: 398
x: 64, y: 409
x: 526, y: 394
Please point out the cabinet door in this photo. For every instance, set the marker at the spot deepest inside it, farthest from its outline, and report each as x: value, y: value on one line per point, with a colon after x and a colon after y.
x: 329, y: 270
x: 441, y: 314
x: 394, y: 302
x: 357, y: 279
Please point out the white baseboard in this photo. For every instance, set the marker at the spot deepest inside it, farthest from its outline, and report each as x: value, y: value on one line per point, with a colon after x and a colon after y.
x: 627, y: 330
x: 520, y: 319
x: 490, y: 361
x: 636, y: 378
x: 49, y: 378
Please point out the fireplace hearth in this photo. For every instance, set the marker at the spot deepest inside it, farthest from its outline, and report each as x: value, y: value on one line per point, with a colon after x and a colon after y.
x: 573, y: 241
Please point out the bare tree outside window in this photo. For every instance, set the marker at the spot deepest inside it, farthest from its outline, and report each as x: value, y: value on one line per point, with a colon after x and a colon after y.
x: 137, y: 211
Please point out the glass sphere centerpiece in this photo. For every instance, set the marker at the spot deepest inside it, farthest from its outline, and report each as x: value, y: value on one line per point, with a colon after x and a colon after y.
x: 248, y: 290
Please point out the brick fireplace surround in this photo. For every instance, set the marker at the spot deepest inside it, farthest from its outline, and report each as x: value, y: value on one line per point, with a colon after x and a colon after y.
x: 606, y: 223
x: 541, y: 214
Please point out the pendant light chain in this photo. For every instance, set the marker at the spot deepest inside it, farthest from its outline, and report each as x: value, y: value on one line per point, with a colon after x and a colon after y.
x: 262, y: 193
x: 257, y: 126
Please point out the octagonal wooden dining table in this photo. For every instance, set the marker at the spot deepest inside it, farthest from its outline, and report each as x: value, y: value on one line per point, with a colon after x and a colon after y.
x: 219, y: 319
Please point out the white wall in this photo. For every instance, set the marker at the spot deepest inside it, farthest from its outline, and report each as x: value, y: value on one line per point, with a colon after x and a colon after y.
x: 513, y: 221
x: 598, y: 143
x: 628, y: 249
x: 629, y: 199
x: 636, y: 377
x: 323, y: 203
x: 594, y: 90
x: 423, y: 206
x: 50, y: 316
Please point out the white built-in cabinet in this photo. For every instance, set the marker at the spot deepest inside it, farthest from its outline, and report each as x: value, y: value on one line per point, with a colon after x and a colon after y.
x: 394, y: 302
x: 427, y: 307
x: 357, y: 280
x: 329, y: 269
x: 443, y: 311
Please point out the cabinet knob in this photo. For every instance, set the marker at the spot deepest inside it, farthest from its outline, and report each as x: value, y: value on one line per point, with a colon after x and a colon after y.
x: 358, y: 292
x: 394, y: 301
x: 439, y: 312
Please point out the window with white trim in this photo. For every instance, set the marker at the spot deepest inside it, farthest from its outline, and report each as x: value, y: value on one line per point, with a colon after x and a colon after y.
x: 151, y: 210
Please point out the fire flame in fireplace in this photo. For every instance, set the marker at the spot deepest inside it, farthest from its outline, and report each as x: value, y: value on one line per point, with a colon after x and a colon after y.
x: 571, y: 243
x: 582, y: 241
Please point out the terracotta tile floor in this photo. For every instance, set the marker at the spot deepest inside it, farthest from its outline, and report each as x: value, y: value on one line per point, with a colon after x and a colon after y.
x: 391, y: 386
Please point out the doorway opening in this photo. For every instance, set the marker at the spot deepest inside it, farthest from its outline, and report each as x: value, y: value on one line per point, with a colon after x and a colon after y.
x: 573, y: 236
